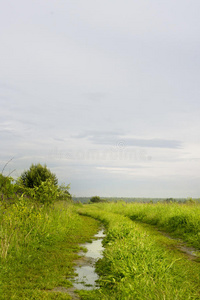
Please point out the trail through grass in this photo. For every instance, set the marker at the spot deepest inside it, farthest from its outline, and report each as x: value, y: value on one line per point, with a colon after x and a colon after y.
x: 139, y: 263
x: 39, y: 245
x: 180, y: 220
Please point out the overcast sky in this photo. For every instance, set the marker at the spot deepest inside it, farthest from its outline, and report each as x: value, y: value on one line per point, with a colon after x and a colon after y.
x: 106, y: 93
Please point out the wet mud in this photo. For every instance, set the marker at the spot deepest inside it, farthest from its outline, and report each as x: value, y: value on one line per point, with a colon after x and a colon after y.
x: 86, y: 276
x: 85, y: 266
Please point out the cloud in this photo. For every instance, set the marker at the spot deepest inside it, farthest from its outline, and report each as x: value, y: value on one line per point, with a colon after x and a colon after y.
x: 99, y: 134
x: 94, y: 96
x: 120, y: 140
x: 4, y: 86
x: 59, y: 139
x: 125, y: 170
x: 109, y: 98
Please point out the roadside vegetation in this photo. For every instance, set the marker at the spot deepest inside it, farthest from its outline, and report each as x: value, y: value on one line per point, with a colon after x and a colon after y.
x: 41, y: 229
x: 40, y: 237
x: 181, y: 220
x: 38, y: 248
x: 140, y: 263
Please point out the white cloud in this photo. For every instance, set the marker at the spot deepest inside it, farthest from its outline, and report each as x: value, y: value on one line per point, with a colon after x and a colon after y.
x: 105, y: 93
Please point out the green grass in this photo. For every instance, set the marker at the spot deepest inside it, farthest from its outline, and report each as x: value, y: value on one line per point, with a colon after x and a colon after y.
x: 180, y: 220
x: 140, y: 263
x: 38, y: 247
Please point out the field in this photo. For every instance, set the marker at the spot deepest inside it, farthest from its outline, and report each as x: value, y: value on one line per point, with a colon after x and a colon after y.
x: 39, y: 245
x: 140, y: 262
x: 180, y: 220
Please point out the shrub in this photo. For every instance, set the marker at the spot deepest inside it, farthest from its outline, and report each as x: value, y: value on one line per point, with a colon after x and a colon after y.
x: 6, y: 187
x: 97, y: 199
x: 36, y: 175
x: 46, y: 193
x: 64, y: 192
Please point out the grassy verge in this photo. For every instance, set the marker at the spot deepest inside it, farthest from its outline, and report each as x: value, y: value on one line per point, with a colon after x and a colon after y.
x: 138, y: 265
x: 38, y: 247
x: 180, y: 220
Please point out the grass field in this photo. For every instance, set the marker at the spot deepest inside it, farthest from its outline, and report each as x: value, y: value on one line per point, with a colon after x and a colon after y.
x: 139, y: 262
x: 39, y: 245
x: 180, y: 220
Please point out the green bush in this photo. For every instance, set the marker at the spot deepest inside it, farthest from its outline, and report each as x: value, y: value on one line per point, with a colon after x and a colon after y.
x: 96, y: 199
x: 46, y: 193
x: 6, y: 187
x: 36, y: 175
x: 64, y: 192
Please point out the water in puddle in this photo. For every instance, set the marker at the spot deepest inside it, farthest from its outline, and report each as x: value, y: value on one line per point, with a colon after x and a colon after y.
x: 86, y: 275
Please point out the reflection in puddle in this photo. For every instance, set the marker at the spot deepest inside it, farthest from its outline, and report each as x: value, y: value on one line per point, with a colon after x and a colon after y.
x: 86, y: 276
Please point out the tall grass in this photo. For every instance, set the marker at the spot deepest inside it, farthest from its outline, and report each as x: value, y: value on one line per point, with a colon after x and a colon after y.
x: 136, y: 266
x: 180, y: 220
x: 38, y: 246
x: 25, y: 225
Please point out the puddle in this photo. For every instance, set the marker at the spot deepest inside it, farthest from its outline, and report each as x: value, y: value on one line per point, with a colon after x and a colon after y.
x: 85, y: 269
x: 191, y: 252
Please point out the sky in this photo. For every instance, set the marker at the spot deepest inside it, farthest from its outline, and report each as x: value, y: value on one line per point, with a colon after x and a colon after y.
x: 105, y: 93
